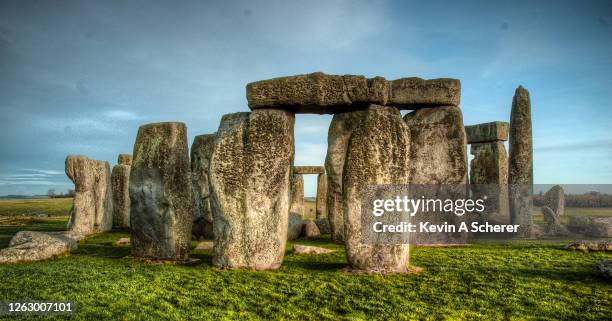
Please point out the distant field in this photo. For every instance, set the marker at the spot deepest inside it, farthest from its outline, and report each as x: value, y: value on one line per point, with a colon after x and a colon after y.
x: 27, y: 207
x: 574, y: 211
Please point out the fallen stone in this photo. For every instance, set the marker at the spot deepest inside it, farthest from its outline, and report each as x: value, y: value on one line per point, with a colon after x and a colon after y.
x: 42, y: 215
x: 308, y: 170
x: 552, y: 226
x: 250, y: 181
x: 120, y: 179
x: 555, y: 199
x: 304, y: 249
x: 161, y: 214
x: 340, y: 130
x: 496, y: 131
x: 378, y: 153
x: 204, y: 246
x: 123, y: 241
x: 29, y: 246
x: 294, y: 228
x: 310, y: 229
x: 201, y: 153
x: 124, y: 159
x: 586, y: 246
x: 591, y: 226
x: 323, y: 225
x: 603, y: 269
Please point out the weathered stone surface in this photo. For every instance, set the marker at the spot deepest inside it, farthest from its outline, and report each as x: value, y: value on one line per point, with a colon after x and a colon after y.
x: 340, y: 130
x: 416, y: 92
x: 310, y: 229
x: 496, y: 131
x: 555, y: 199
x: 205, y: 246
x: 250, y: 177
x: 304, y: 249
x: 120, y: 179
x: 586, y: 246
x: 438, y: 156
x: 323, y: 225
x: 489, y: 177
x: 201, y: 153
x: 124, y: 159
x: 123, y: 241
x: 297, y: 194
x: 321, y: 93
x: 520, y: 162
x: 28, y: 246
x: 378, y: 153
x: 92, y: 209
x: 321, y: 200
x: 591, y: 226
x: 309, y: 170
x: 294, y: 228
x: 552, y: 226
x: 161, y: 211
x: 603, y: 269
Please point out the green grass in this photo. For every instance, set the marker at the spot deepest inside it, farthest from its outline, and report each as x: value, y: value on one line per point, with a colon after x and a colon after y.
x: 574, y: 211
x: 25, y: 207
x: 519, y: 281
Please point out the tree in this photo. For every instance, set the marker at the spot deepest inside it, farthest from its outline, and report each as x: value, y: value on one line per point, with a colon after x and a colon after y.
x: 51, y: 192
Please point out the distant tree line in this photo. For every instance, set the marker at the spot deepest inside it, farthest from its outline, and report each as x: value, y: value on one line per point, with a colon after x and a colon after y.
x: 590, y: 199
x: 53, y: 194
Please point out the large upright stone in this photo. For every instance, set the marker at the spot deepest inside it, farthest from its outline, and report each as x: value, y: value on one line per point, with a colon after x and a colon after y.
x: 250, y: 177
x: 489, y: 177
x: 438, y: 159
x: 520, y: 162
x: 378, y: 153
x: 555, y: 200
x: 321, y: 200
x: 201, y: 153
x: 161, y: 213
x: 297, y: 194
x: 92, y: 210
x: 120, y: 178
x: 340, y: 130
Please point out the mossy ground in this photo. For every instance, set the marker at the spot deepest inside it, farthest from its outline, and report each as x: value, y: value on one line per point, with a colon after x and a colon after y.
x: 519, y: 281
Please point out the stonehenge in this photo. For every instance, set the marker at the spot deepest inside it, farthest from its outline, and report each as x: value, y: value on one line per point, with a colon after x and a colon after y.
x: 29, y: 246
x: 161, y: 211
x: 120, y: 177
x: 201, y: 153
x: 297, y: 200
x: 520, y: 163
x: 555, y: 200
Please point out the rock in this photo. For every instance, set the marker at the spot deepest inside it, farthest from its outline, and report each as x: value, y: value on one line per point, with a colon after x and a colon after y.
x: 201, y: 153
x: 591, y: 226
x: 520, y: 162
x: 321, y: 200
x: 124, y: 159
x: 310, y: 229
x: 161, y: 213
x: 552, y: 225
x: 297, y: 194
x: 308, y: 170
x: 123, y: 241
x: 555, y: 199
x: 603, y: 269
x: 489, y: 177
x: 42, y: 215
x: 378, y: 153
x: 92, y: 210
x: 294, y: 228
x: 586, y: 246
x: 204, y: 246
x: 438, y: 157
x: 120, y: 179
x: 304, y: 249
x: 28, y: 246
x: 250, y: 177
x: 323, y: 225
x: 321, y: 93
x: 340, y: 130
x: 496, y: 131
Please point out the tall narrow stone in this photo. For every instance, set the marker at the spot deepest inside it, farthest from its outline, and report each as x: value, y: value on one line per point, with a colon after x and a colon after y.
x: 321, y: 200
x: 92, y: 210
x: 340, y: 130
x: 201, y: 153
x: 438, y: 159
x: 378, y: 153
x: 296, y: 210
x: 250, y: 177
x: 555, y: 200
x: 489, y: 177
x: 520, y: 163
x: 120, y: 178
x: 161, y: 212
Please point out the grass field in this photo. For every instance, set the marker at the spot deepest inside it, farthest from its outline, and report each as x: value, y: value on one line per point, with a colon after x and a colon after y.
x: 518, y: 281
x: 51, y: 206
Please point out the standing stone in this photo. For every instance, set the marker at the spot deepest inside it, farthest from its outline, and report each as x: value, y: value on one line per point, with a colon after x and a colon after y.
x: 552, y: 226
x: 340, y: 130
x: 120, y: 178
x: 438, y: 165
x: 92, y: 209
x: 520, y: 163
x: 161, y: 213
x: 250, y: 180
x: 201, y: 152
x: 321, y: 201
x: 489, y: 177
x: 297, y: 194
x: 377, y: 154
x: 555, y: 199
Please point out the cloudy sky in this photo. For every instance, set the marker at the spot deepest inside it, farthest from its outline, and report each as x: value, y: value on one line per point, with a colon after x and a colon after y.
x: 79, y: 77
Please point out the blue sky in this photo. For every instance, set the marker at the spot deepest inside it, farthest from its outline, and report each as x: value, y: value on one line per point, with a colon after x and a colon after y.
x: 79, y: 77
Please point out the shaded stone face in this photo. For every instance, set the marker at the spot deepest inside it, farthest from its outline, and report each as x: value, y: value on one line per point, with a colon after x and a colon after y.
x: 552, y: 226
x: 520, y: 162
x: 124, y: 159
x: 487, y: 132
x: 340, y: 130
x: 201, y: 153
x: 250, y: 180
x: 309, y: 170
x: 378, y: 153
x: 92, y: 210
x: 120, y: 178
x: 297, y: 194
x: 555, y: 199
x: 330, y: 94
x: 321, y: 200
x: 161, y: 212
x: 489, y: 177
x: 310, y: 229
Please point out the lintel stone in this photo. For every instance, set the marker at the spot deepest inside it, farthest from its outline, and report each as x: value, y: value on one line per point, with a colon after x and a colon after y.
x: 309, y: 170
x: 487, y: 132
